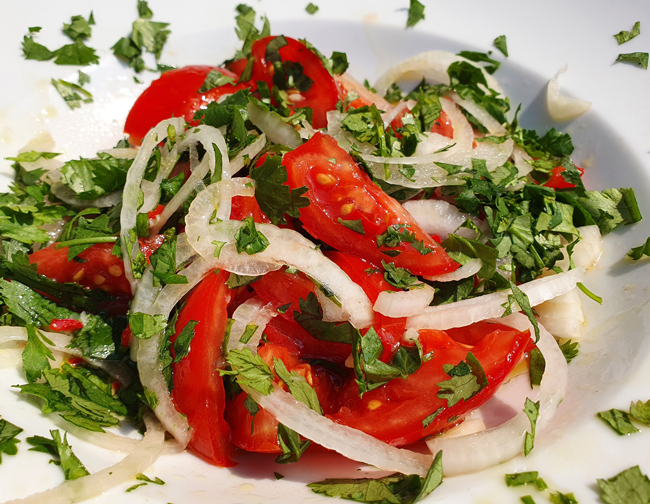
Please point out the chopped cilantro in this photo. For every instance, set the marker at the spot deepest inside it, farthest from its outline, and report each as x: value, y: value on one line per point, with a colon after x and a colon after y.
x: 298, y: 386
x: 640, y: 411
x: 235, y: 281
x: 59, y: 448
x: 638, y: 58
x: 525, y: 478
x: 250, y: 370
x: 214, y: 79
x: 415, y: 13
x: 8, y: 441
x: 501, y: 44
x: 625, y: 36
x: 491, y: 67
x: 354, y: 225
x: 145, y: 326
x: 248, y: 239
x: 78, y: 28
x: 36, y: 356
x: 310, y: 318
x: 35, y: 51
x: 430, y: 418
x: 532, y: 412
x: 91, y: 178
x: 521, y: 299
x: 398, y: 277
x: 630, y: 486
x: 618, y: 420
x: 570, y: 350
x: 291, y: 445
x: 73, y: 94
x: 311, y: 8
x: 637, y: 253
x: 537, y: 367
x: 184, y: 340
x: 561, y: 498
x: 467, y: 380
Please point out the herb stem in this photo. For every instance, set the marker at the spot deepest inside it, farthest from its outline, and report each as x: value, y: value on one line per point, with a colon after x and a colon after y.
x: 86, y: 241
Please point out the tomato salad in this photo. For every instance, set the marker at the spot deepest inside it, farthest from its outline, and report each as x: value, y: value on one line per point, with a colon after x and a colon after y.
x: 296, y: 261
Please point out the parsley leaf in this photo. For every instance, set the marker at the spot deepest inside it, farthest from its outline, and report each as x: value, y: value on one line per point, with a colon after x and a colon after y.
x: 298, y: 386
x: 467, y: 380
x: 35, y: 51
x: 618, y: 420
x: 274, y: 197
x: 76, y: 53
x: 91, y: 178
x: 501, y: 44
x: 248, y: 239
x: 62, y: 452
x: 630, y: 486
x: 8, y: 441
x: 36, y: 356
x: 163, y: 262
x: 145, y: 326
x: 637, y: 253
x: 354, y: 225
x: 250, y: 370
x: 532, y: 412
x: 291, y: 444
x: 638, y: 58
x: 415, y: 13
x: 625, y: 36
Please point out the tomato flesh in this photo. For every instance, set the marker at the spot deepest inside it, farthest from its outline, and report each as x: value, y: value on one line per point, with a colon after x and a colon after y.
x: 198, y: 388
x: 321, y: 96
x: 557, y: 180
x: 339, y: 191
x: 175, y: 94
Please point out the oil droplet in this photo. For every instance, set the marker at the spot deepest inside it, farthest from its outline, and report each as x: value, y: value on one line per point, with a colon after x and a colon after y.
x: 246, y: 488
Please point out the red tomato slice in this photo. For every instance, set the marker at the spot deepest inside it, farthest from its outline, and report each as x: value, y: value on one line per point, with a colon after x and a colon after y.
x: 321, y: 97
x: 247, y: 206
x: 340, y: 191
x: 395, y: 411
x: 68, y: 324
x: 198, y: 389
x: 557, y: 180
x: 255, y: 435
x: 174, y: 94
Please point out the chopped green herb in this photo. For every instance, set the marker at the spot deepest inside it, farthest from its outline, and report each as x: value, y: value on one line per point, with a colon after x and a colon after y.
x: 291, y: 444
x: 184, y: 340
x: 625, y: 36
x: 501, y: 44
x: 537, y: 367
x: 637, y: 253
x: 638, y: 58
x: 560, y: 498
x: 8, y: 441
x: 570, y: 350
x: 298, y: 386
x: 78, y: 28
x: 618, y: 420
x: 311, y: 8
x: 640, y: 411
x: 630, y: 486
x: 214, y: 79
x: 250, y: 240
x: 73, y: 94
x: 532, y: 412
x: 467, y: 380
x: 59, y: 448
x: 250, y: 370
x: 354, y: 225
x: 415, y: 13
x: 145, y: 326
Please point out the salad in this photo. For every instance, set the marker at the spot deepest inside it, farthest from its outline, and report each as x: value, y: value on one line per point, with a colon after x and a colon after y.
x: 294, y: 258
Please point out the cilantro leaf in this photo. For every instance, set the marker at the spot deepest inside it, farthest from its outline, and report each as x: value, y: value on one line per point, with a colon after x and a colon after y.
x: 501, y: 44
x: 354, y: 225
x: 61, y: 450
x: 467, y: 380
x: 291, y: 444
x: 248, y: 239
x: 570, y: 350
x: 143, y: 10
x: 637, y: 253
x: 638, y: 58
x: 36, y: 356
x: 525, y: 478
x: 532, y: 412
x: 537, y: 367
x: 73, y: 94
x: 298, y: 386
x: 493, y: 65
x: 630, y: 486
x: 310, y: 318
x: 250, y: 370
x: 246, y: 30
x: 214, y: 79
x: 618, y: 420
x: 274, y: 197
x: 560, y: 498
x: 76, y: 53
x: 641, y: 412
x: 415, y: 13
x: 398, y: 277
x: 625, y: 36
x: 610, y: 208
x: 163, y: 261
x: 78, y: 28
x: 311, y: 8
x: 35, y: 51
x: 184, y: 340
x: 91, y: 178
x: 8, y: 441
x: 521, y: 299
x: 145, y: 326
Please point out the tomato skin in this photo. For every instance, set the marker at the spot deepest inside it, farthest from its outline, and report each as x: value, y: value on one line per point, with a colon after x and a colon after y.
x: 343, y: 191
x: 323, y: 94
x: 394, y: 412
x: 198, y: 388
x: 65, y: 325
x: 443, y: 126
x: 557, y: 180
x: 175, y: 94
x: 280, y: 288
x: 259, y: 435
x: 247, y: 206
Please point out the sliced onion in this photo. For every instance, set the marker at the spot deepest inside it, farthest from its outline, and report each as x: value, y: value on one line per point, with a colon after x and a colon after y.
x: 468, y: 311
x: 272, y: 125
x: 252, y: 311
x: 480, y: 114
x: 345, y: 139
x: 248, y: 152
x: 438, y: 217
x: 351, y: 84
x: 121, y: 152
x: 286, y: 247
x: 586, y: 252
x: 351, y: 443
x: 563, y: 108
x: 564, y: 316
x: 331, y: 311
x: 481, y: 450
x: 86, y: 487
x: 67, y: 195
x: 397, y: 304
x: 470, y: 268
x: 430, y: 65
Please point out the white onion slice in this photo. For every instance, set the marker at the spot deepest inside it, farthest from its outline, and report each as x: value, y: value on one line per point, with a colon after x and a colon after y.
x: 564, y: 316
x: 430, y: 65
x: 563, y: 108
x: 397, y: 304
x: 248, y: 152
x: 480, y: 114
x: 468, y: 311
x: 251, y: 311
x: 586, y: 252
x: 351, y: 443
x: 470, y: 268
x: 331, y: 311
x: 439, y: 217
x: 272, y: 125
x: 351, y: 84
x: 67, y: 195
x: 481, y: 450
x: 89, y: 486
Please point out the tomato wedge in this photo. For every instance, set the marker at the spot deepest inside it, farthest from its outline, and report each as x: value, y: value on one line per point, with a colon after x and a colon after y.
x: 198, y: 388
x: 395, y: 412
x: 321, y: 96
x: 175, y: 94
x: 342, y: 198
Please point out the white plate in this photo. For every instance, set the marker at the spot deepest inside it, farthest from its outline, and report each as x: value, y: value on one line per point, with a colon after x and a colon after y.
x: 614, y: 138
